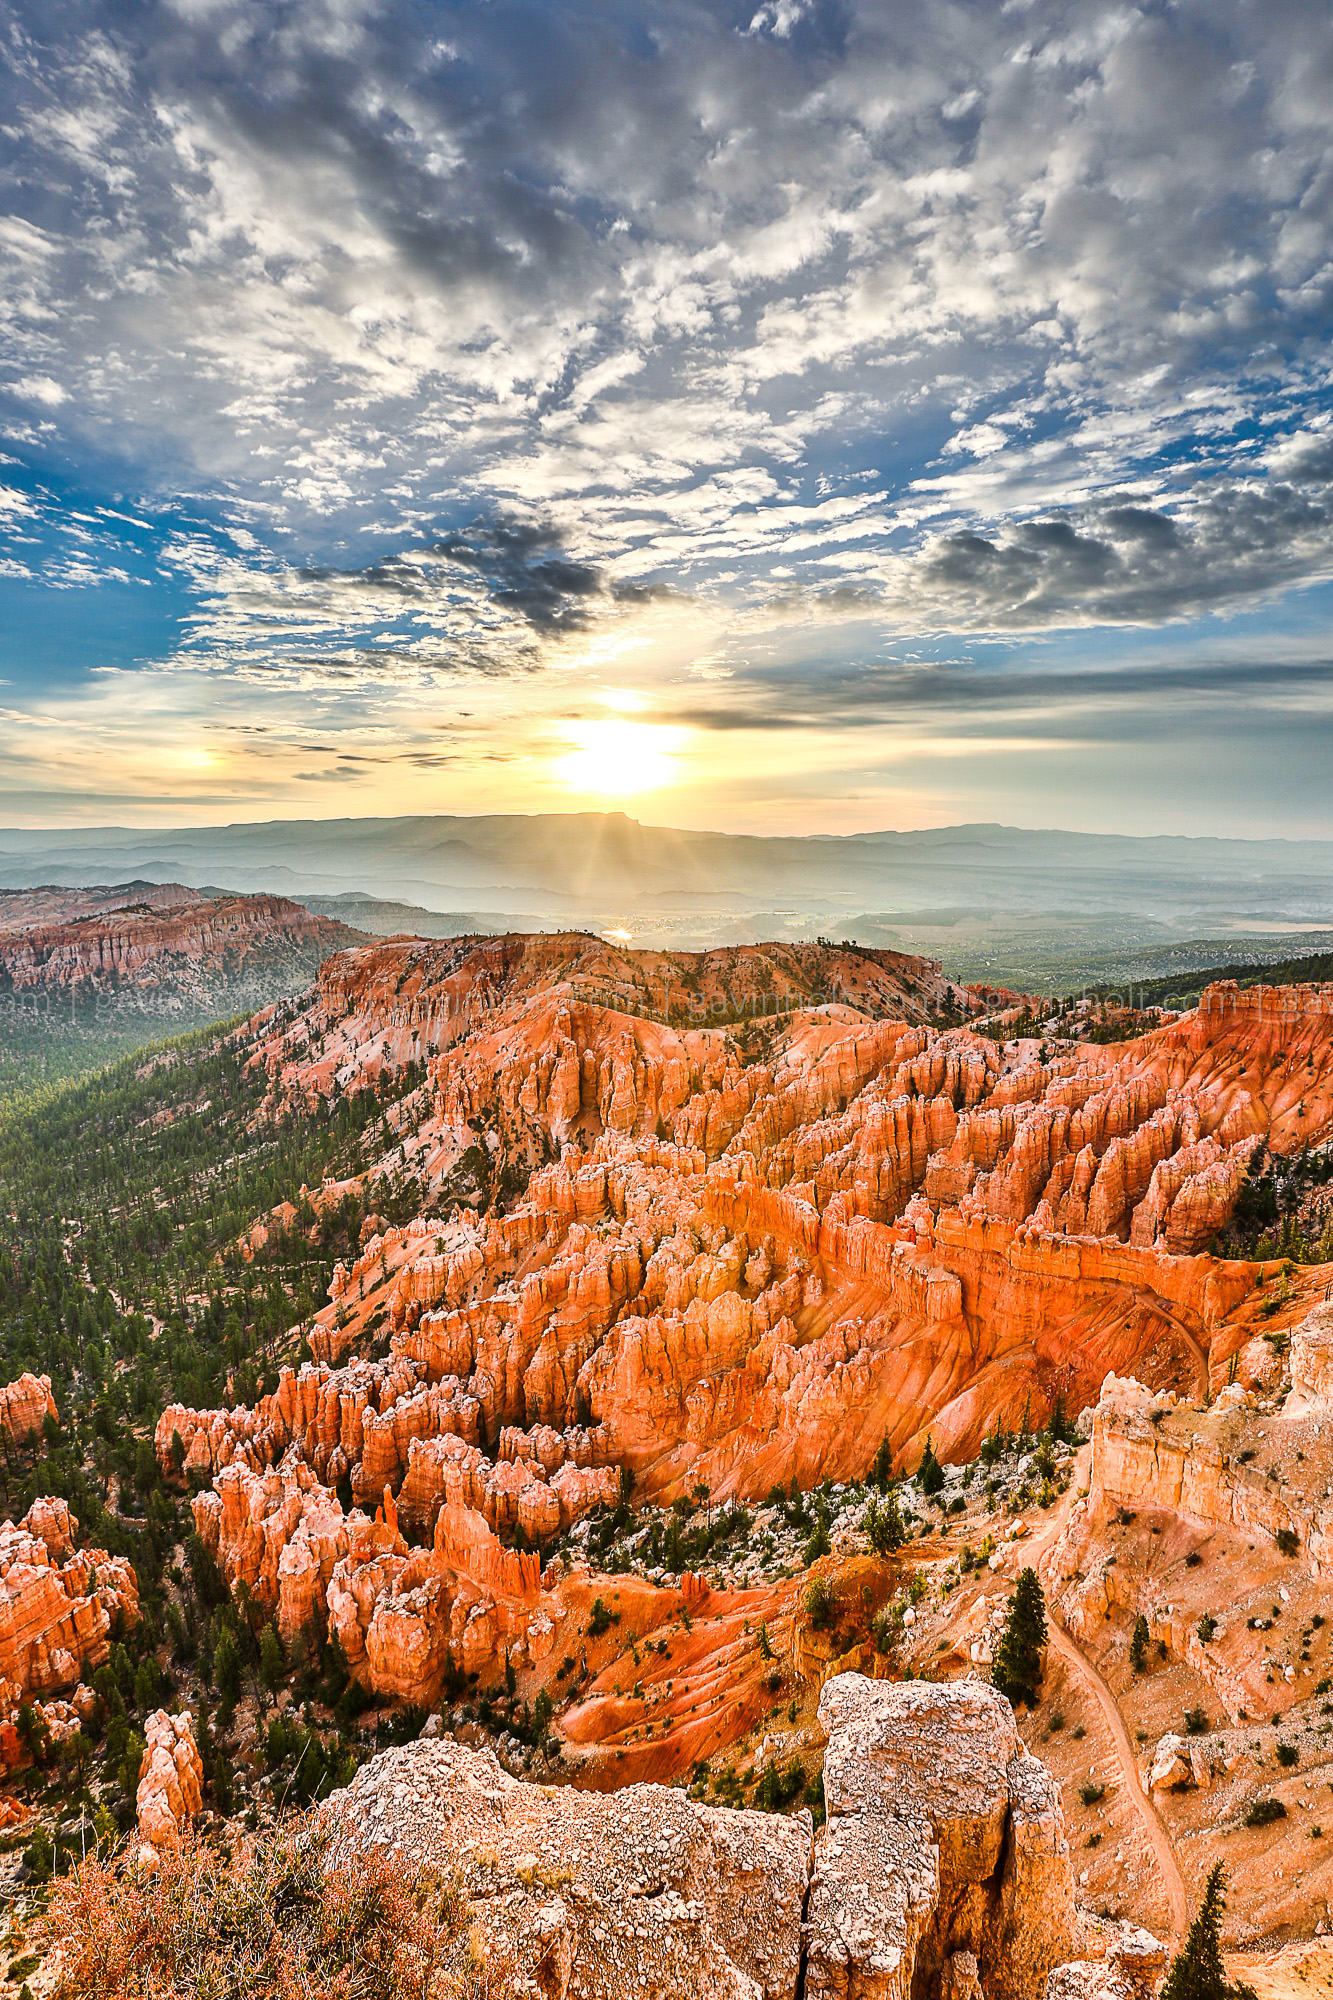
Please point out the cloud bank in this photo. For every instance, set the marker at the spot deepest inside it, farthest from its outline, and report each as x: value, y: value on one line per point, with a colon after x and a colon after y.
x: 427, y: 348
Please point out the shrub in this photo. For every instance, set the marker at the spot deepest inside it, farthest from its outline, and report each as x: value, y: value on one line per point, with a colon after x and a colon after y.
x: 273, y: 1924
x: 1196, y: 1722
x: 600, y: 1619
x: 778, y: 1788
x: 819, y: 1543
x: 1262, y: 1812
x: 1138, y: 1645
x: 1288, y: 1541
x: 1206, y: 1627
x: 818, y: 1603
x: 882, y: 1630
x: 1090, y: 1793
x: 884, y: 1525
x: 1288, y: 1755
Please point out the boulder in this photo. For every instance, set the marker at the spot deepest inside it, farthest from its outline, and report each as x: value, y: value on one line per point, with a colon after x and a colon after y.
x: 941, y: 1822
x: 943, y: 1864
x: 644, y: 1890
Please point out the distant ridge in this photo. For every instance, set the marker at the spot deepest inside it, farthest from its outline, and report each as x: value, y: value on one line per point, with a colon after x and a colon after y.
x: 1017, y: 906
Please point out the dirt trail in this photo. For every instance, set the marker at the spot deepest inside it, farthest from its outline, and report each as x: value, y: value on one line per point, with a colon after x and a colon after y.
x: 1153, y: 1825
x: 1068, y: 1649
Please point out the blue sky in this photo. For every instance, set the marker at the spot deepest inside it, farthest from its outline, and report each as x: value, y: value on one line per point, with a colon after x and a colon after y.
x: 812, y: 414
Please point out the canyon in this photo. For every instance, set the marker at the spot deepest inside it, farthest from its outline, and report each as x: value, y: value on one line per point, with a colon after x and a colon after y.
x: 714, y: 1259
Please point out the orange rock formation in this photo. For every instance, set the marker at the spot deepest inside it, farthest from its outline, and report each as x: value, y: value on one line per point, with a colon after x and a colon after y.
x: 25, y: 1405
x: 759, y: 1248
x: 57, y: 1606
x: 171, y: 1780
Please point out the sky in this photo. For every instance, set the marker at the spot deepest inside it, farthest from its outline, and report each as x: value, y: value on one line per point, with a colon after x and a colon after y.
x: 817, y: 415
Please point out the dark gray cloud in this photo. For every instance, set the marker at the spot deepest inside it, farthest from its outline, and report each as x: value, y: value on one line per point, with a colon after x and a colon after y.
x: 525, y: 573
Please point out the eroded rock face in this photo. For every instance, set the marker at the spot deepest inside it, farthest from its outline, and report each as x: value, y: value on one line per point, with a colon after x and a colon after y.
x: 25, y: 1405
x: 402, y: 1612
x: 645, y: 1891
x: 1312, y: 1365
x: 749, y: 1260
x: 171, y: 1778
x: 57, y: 1604
x: 943, y: 1862
x: 183, y: 948
x: 1148, y: 1452
x: 941, y: 1823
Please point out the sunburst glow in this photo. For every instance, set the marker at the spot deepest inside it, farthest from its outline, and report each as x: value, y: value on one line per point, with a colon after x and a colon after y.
x: 614, y: 759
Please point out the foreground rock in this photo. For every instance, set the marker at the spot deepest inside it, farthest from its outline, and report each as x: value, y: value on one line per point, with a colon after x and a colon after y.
x: 944, y: 1857
x: 943, y: 1862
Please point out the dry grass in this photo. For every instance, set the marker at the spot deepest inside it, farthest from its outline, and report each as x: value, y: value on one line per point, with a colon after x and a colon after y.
x: 271, y: 1925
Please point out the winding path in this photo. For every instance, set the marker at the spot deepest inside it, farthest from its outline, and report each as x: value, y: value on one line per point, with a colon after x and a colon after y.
x: 1153, y: 1824
x: 1068, y: 1649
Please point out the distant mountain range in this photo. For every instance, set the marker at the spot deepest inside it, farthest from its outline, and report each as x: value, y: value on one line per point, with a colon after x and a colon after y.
x: 1006, y: 903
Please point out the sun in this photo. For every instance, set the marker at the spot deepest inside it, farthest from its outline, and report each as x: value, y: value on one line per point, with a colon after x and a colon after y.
x: 614, y: 759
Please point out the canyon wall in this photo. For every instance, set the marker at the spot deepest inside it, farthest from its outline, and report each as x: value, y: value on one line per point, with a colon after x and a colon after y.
x: 729, y: 1255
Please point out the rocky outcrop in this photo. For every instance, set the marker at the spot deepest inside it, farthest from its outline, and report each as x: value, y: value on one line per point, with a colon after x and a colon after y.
x: 171, y: 1779
x: 182, y: 949
x: 1312, y: 1365
x: 943, y: 1826
x: 943, y: 1862
x: 403, y: 1614
x: 280, y: 1533
x: 25, y: 1406
x: 643, y: 1891
x: 61, y: 1720
x: 1147, y: 1452
x: 58, y: 1606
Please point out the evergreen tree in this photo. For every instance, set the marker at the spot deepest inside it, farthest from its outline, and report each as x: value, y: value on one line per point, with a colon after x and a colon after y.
x: 884, y: 1525
x: 1197, y: 1972
x: 227, y: 1668
x: 1017, y: 1671
x: 930, y: 1473
x: 272, y: 1661
x: 1138, y: 1645
x: 881, y: 1472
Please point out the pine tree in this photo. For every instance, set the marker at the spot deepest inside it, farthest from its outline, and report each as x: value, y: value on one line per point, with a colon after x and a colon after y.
x: 884, y: 1525
x: 1138, y: 1645
x: 881, y: 1472
x: 1017, y: 1671
x: 1197, y: 1972
x: 930, y: 1473
x: 272, y: 1662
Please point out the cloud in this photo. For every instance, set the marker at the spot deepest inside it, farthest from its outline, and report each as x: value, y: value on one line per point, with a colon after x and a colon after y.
x: 40, y: 389
x: 424, y: 360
